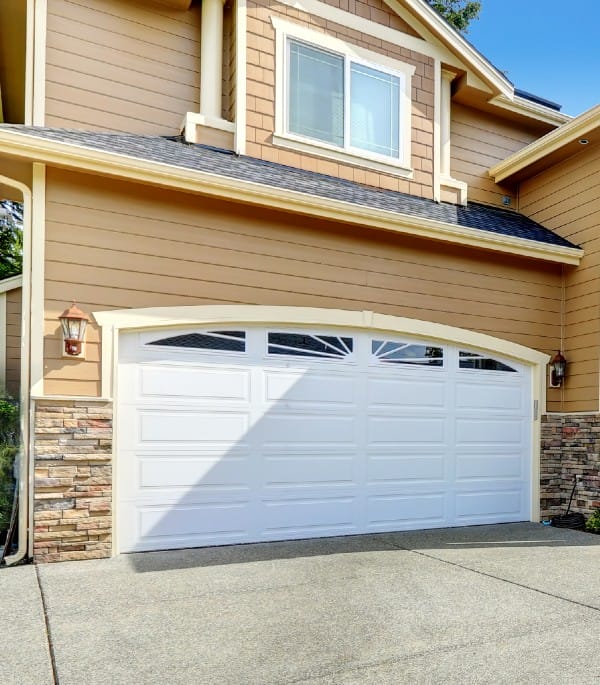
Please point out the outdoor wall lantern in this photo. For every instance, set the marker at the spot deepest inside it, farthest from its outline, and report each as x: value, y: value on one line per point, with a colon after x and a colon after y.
x: 73, y: 322
x: 558, y: 370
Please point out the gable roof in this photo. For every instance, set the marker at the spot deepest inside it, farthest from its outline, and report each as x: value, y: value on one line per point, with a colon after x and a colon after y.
x: 552, y: 148
x: 504, y: 94
x: 170, y: 162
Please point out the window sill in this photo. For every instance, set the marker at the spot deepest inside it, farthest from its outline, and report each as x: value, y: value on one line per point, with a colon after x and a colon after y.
x: 325, y: 151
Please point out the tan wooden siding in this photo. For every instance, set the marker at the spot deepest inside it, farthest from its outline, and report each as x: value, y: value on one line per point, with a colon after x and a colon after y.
x: 480, y: 140
x: 261, y: 93
x: 13, y: 342
x: 566, y: 199
x: 130, y: 246
x: 13, y: 27
x: 229, y: 61
x: 18, y: 171
x: 120, y: 66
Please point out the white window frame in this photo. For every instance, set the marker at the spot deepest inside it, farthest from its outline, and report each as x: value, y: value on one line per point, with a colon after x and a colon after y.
x: 400, y: 166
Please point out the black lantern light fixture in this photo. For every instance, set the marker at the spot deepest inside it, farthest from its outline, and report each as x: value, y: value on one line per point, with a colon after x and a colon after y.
x: 73, y: 322
x: 558, y: 370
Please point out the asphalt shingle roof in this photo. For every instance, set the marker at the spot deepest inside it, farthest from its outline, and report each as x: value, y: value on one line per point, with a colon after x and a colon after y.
x: 175, y: 152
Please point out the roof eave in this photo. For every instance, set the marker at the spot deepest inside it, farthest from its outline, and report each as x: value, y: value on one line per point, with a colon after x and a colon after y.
x: 531, y: 109
x: 568, y: 133
x: 88, y: 159
x: 11, y: 283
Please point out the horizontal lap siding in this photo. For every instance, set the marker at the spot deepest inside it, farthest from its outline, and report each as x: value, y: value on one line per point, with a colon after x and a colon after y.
x: 136, y: 247
x: 479, y: 141
x: 120, y: 66
x: 261, y: 92
x: 13, y: 342
x: 566, y: 199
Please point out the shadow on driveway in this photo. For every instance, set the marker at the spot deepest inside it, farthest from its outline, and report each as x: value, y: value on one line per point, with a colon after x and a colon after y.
x: 507, y: 536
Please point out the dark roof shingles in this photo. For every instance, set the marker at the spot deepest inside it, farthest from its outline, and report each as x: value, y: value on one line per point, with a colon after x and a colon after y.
x: 174, y: 151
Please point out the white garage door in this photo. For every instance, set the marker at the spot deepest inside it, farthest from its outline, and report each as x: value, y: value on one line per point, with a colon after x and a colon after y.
x: 252, y: 434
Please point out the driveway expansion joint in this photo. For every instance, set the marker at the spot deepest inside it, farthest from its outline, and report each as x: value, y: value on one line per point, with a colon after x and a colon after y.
x: 502, y: 580
x: 55, y: 679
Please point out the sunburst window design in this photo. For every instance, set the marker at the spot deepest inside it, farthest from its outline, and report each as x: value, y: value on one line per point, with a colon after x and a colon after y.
x: 307, y: 345
x: 414, y: 354
x: 223, y: 341
x: 472, y: 360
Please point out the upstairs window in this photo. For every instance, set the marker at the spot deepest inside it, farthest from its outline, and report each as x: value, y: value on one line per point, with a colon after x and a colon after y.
x: 347, y: 104
x: 341, y: 101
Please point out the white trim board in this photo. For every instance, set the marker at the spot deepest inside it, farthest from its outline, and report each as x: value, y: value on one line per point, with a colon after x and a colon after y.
x: 11, y: 283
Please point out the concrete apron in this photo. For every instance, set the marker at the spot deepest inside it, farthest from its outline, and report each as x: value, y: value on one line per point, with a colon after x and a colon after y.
x: 489, y: 604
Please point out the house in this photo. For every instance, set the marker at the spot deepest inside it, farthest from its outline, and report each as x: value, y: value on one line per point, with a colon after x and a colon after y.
x: 10, y: 340
x: 327, y: 251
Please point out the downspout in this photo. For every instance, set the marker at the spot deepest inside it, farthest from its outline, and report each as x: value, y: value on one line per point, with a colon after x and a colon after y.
x: 23, y: 456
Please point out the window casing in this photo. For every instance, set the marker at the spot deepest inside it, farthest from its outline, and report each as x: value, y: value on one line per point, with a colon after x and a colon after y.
x: 325, y: 95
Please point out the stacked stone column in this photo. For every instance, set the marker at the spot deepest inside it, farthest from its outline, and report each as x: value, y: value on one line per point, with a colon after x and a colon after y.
x: 73, y: 480
x: 570, y: 447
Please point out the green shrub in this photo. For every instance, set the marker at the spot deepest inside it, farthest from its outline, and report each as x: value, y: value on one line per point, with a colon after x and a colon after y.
x: 9, y: 441
x: 9, y: 422
x: 593, y: 523
x: 7, y: 484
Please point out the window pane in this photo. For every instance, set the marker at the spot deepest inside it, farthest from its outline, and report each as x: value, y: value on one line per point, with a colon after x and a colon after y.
x: 226, y: 341
x: 306, y: 345
x: 316, y: 94
x: 374, y: 111
x: 407, y: 353
x: 471, y: 360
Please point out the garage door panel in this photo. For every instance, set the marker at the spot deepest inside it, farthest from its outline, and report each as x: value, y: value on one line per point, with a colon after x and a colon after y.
x: 489, y: 431
x: 194, y: 523
x: 307, y: 428
x: 309, y: 470
x: 309, y: 516
x: 489, y: 465
x: 405, y: 510
x: 399, y: 430
x: 404, y: 468
x: 187, y: 471
x: 505, y: 504
x: 401, y: 393
x: 192, y: 427
x: 309, y: 387
x: 194, y: 383
x: 490, y: 396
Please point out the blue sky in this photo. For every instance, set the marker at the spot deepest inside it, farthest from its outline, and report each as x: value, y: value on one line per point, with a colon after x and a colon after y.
x: 548, y: 47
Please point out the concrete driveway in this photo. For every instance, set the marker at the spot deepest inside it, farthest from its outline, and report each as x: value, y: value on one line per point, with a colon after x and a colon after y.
x: 515, y: 603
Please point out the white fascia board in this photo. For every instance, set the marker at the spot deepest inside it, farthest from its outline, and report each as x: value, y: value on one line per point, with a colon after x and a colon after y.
x: 11, y: 283
x: 86, y: 159
x: 442, y: 31
x: 568, y: 133
x: 528, y: 108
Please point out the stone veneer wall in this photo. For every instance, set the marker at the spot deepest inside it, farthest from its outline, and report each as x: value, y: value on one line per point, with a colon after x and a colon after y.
x: 570, y: 447
x: 73, y: 480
